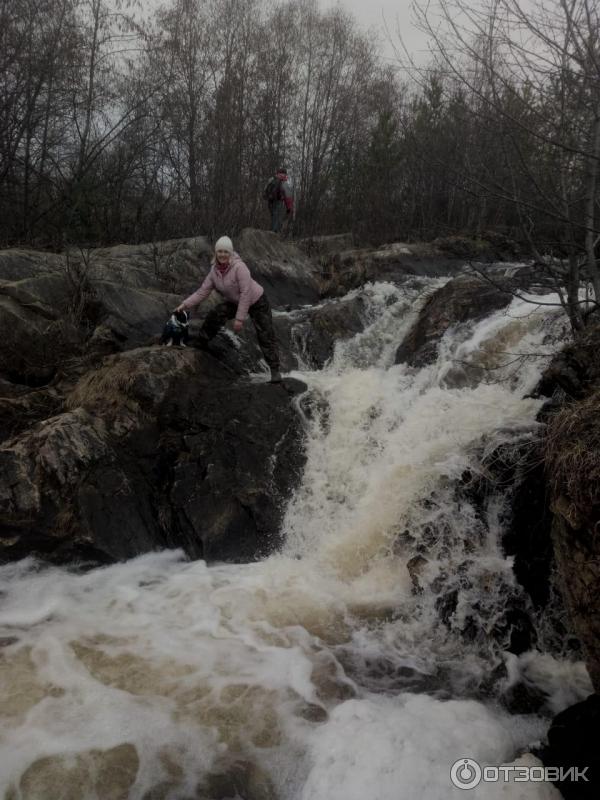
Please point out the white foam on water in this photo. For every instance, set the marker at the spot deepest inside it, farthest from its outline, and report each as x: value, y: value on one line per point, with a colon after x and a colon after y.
x: 403, y: 747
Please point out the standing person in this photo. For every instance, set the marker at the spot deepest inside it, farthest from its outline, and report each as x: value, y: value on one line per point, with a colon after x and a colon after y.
x: 279, y: 197
x: 243, y: 296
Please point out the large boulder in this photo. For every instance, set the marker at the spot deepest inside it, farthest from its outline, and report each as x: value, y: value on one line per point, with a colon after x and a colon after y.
x: 573, y: 748
x: 308, y: 335
x: 462, y: 299
x: 286, y: 272
x: 159, y: 447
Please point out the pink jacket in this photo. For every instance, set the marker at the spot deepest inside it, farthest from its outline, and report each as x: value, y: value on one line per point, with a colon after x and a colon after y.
x: 235, y: 284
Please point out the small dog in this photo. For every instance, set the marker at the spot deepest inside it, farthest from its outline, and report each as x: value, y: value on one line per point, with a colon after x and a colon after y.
x: 176, y: 330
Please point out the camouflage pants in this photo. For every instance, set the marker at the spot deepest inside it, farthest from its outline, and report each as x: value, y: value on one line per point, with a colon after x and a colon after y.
x: 260, y: 314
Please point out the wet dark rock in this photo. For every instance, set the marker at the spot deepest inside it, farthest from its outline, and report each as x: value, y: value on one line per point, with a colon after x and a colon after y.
x: 330, y: 679
x: 241, y: 779
x: 524, y: 698
x: 527, y: 535
x: 293, y: 386
x: 575, y: 370
x: 446, y: 604
x: 462, y: 299
x: 573, y: 742
x: 517, y: 470
x: 516, y: 628
x: 313, y: 713
x: 381, y: 674
x: 415, y: 567
x: 160, y: 447
x: 311, y: 333
x: 330, y: 323
x: 244, y: 454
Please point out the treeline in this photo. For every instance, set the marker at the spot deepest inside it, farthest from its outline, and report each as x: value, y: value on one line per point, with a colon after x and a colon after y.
x: 121, y: 124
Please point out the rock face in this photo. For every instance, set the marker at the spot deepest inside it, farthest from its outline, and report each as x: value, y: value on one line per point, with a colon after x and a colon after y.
x: 464, y: 298
x: 572, y: 466
x: 573, y: 743
x: 309, y: 335
x: 112, y: 447
x: 575, y: 371
x: 572, y: 470
x: 158, y: 447
x: 102, y: 301
x: 285, y: 271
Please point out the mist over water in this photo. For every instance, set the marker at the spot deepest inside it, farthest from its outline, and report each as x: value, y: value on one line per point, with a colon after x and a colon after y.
x: 362, y: 660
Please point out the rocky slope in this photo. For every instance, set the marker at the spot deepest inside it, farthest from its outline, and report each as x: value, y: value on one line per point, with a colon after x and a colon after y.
x: 113, y: 446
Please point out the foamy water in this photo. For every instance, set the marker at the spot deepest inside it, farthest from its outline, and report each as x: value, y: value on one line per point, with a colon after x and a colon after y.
x: 329, y: 670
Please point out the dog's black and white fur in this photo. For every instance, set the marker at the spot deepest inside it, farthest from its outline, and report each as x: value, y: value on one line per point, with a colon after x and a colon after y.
x: 176, y: 330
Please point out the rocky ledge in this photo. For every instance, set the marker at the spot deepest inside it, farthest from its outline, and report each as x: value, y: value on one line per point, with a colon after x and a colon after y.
x: 156, y: 448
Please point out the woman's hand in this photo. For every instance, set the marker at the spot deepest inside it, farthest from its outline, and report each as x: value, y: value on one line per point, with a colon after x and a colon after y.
x: 179, y: 308
x: 237, y: 325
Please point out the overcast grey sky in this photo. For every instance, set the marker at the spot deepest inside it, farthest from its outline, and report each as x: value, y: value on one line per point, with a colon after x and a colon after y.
x: 371, y: 13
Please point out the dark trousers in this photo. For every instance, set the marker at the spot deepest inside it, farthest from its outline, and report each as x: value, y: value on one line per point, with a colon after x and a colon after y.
x: 277, y: 209
x: 260, y: 314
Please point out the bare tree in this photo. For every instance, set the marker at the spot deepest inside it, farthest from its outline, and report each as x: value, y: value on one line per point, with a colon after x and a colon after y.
x: 531, y: 75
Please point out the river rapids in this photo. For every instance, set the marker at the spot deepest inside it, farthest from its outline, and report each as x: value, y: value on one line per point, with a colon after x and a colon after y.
x: 357, y: 663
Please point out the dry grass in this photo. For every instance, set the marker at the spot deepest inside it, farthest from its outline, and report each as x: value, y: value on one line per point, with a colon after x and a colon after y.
x: 111, y: 385
x: 572, y: 452
x: 134, y: 381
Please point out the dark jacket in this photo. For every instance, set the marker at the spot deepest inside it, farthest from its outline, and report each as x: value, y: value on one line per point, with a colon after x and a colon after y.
x: 281, y: 191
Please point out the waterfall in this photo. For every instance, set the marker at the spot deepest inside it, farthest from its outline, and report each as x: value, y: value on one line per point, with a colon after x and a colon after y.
x: 360, y: 661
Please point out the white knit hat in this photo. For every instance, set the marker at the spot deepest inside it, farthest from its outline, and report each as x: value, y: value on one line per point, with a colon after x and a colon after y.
x: 224, y: 243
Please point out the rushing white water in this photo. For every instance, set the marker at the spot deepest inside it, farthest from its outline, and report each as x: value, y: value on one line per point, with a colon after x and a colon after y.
x: 359, y: 661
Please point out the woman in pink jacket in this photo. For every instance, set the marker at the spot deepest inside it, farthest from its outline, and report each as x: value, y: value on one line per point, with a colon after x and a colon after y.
x: 243, y: 296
